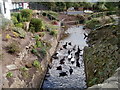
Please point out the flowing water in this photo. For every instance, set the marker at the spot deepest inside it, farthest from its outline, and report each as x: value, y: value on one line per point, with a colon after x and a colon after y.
x: 77, y: 78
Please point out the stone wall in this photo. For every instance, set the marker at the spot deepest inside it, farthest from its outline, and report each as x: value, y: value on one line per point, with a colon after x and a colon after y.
x: 112, y: 83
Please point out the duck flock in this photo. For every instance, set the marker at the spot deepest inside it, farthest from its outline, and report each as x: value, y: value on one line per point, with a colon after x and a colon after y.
x: 72, y: 54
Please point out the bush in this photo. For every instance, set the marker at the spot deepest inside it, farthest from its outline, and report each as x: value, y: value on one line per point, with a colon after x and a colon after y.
x: 37, y: 37
x: 20, y: 31
x: 9, y: 74
x: 38, y: 44
x: 36, y: 64
x: 20, y: 25
x: 43, y: 52
x: 53, y: 32
x: 26, y: 14
x: 36, y: 25
x: 34, y: 51
x: 18, y: 16
x: 14, y: 20
x: 92, y: 23
x: 13, y: 48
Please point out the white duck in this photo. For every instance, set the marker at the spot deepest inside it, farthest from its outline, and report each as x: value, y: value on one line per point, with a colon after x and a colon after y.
x: 69, y: 56
x: 72, y: 60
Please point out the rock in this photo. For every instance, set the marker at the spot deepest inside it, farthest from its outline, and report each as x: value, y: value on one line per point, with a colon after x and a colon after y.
x: 28, y: 65
x: 11, y: 67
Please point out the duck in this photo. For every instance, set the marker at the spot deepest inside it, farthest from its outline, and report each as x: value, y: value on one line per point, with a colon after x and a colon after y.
x: 61, y: 49
x: 79, y: 50
x: 74, y: 47
x: 71, y: 70
x: 72, y: 60
x: 77, y: 64
x: 84, y: 28
x: 49, y: 66
x: 77, y: 54
x: 69, y: 57
x: 85, y: 35
x: 63, y: 74
x: 47, y: 74
x: 65, y: 46
x: 55, y: 56
x: 59, y: 68
x: 70, y: 44
x: 69, y: 51
x: 62, y: 60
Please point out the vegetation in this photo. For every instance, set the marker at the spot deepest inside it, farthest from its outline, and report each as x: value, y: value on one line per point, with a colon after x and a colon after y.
x: 36, y: 64
x: 20, y: 31
x: 14, y: 19
x: 103, y: 59
x: 26, y: 14
x: 13, y: 48
x: 43, y: 52
x: 9, y: 74
x: 92, y: 23
x: 8, y: 36
x: 54, y: 32
x: 50, y: 14
x: 36, y: 25
x: 20, y: 25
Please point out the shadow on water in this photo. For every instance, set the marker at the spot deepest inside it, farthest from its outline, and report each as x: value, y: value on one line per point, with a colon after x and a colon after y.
x: 67, y: 64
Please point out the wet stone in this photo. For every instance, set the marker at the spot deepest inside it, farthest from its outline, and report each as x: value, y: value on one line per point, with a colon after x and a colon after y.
x: 11, y: 67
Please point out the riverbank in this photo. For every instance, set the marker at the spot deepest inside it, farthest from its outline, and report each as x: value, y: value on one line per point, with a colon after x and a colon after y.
x: 22, y: 64
x: 102, y: 55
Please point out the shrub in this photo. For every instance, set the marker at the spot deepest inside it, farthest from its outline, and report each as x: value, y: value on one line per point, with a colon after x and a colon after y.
x: 36, y: 25
x: 92, y: 23
x: 34, y: 51
x: 43, y: 52
x: 53, y: 32
x: 20, y: 25
x: 13, y: 48
x: 36, y: 64
x: 20, y: 31
x: 48, y: 45
x: 37, y: 37
x: 38, y: 44
x: 18, y: 16
x: 26, y: 14
x: 9, y: 74
x: 14, y: 20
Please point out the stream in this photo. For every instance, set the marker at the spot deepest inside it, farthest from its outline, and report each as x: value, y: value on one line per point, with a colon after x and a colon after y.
x: 74, y: 73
